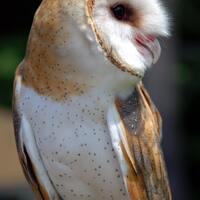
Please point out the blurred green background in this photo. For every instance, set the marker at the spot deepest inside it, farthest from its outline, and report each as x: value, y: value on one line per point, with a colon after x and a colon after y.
x: 182, y: 148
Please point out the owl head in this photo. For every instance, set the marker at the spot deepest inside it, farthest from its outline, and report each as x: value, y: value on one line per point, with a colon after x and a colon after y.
x: 71, y: 33
x: 127, y: 31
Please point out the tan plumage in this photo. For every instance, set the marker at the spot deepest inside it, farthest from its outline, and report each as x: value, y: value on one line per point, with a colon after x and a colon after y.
x: 146, y: 177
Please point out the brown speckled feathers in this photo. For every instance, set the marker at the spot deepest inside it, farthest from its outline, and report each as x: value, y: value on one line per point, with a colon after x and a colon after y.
x: 146, y: 178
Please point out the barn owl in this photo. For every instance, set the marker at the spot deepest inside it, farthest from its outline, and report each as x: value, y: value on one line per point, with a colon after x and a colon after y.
x: 85, y: 126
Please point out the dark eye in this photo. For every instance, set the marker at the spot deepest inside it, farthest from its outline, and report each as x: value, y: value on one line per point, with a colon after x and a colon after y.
x: 119, y: 11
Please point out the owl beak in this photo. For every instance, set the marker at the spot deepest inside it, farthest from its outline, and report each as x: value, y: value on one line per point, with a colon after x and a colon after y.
x: 149, y: 43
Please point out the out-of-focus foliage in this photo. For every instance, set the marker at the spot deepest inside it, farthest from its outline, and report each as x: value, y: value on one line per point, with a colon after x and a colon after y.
x: 11, y: 53
x: 189, y: 87
x: 188, y: 18
x: 189, y: 68
x: 16, y: 18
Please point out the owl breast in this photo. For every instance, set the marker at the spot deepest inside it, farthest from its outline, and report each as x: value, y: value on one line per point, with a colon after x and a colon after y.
x: 74, y: 143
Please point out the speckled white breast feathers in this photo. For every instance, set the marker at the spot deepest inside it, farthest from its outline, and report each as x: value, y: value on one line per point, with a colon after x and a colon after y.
x: 75, y: 145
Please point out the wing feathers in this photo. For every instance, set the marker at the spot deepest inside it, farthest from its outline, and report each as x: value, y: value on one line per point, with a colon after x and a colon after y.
x: 138, y: 128
x: 29, y: 156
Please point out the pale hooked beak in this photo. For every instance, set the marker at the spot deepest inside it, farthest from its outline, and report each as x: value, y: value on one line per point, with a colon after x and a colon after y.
x: 149, y: 43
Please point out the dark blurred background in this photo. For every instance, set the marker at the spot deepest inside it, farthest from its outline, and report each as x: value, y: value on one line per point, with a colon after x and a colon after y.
x: 173, y: 84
